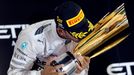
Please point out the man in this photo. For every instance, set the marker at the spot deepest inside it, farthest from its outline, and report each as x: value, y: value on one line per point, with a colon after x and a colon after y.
x: 48, y: 39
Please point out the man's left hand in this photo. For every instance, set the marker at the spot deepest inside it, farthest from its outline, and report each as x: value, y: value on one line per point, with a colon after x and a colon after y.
x: 83, y: 63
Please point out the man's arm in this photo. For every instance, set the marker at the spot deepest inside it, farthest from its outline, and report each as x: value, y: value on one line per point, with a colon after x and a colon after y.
x: 23, y: 57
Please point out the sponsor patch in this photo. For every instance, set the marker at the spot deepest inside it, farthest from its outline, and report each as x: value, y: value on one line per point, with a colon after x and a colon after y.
x: 21, y: 52
x: 24, y: 45
x: 20, y: 57
x: 40, y: 30
x: 75, y: 20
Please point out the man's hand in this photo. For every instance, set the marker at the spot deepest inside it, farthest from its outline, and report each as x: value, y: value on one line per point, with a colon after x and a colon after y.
x: 51, y: 70
x: 83, y: 63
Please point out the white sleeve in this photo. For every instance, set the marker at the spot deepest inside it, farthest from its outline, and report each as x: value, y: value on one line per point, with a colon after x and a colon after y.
x: 23, y: 57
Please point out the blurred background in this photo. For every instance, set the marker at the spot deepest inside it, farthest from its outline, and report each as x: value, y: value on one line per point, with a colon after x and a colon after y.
x: 17, y: 14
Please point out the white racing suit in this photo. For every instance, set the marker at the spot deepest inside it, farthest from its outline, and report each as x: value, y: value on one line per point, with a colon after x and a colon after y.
x: 39, y: 40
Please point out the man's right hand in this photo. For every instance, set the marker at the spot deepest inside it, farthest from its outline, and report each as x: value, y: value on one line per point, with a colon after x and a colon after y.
x: 52, y: 70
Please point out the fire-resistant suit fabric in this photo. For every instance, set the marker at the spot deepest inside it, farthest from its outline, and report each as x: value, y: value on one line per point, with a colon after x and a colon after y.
x: 39, y: 40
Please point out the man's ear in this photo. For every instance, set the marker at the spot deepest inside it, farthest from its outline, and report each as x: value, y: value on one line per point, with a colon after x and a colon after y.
x: 60, y: 32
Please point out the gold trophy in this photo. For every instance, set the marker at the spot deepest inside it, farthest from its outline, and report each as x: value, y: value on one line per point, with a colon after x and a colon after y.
x: 108, y: 27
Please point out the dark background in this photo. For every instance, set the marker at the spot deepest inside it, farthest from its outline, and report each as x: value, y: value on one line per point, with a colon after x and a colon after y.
x: 31, y: 11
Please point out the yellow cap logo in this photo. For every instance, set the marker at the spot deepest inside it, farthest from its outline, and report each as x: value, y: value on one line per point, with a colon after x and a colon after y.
x: 59, y: 20
x: 75, y: 20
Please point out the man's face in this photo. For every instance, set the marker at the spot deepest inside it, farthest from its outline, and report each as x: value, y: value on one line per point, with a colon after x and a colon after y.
x: 66, y: 35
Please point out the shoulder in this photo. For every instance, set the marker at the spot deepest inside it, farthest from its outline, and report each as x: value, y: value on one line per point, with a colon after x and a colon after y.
x: 37, y: 28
